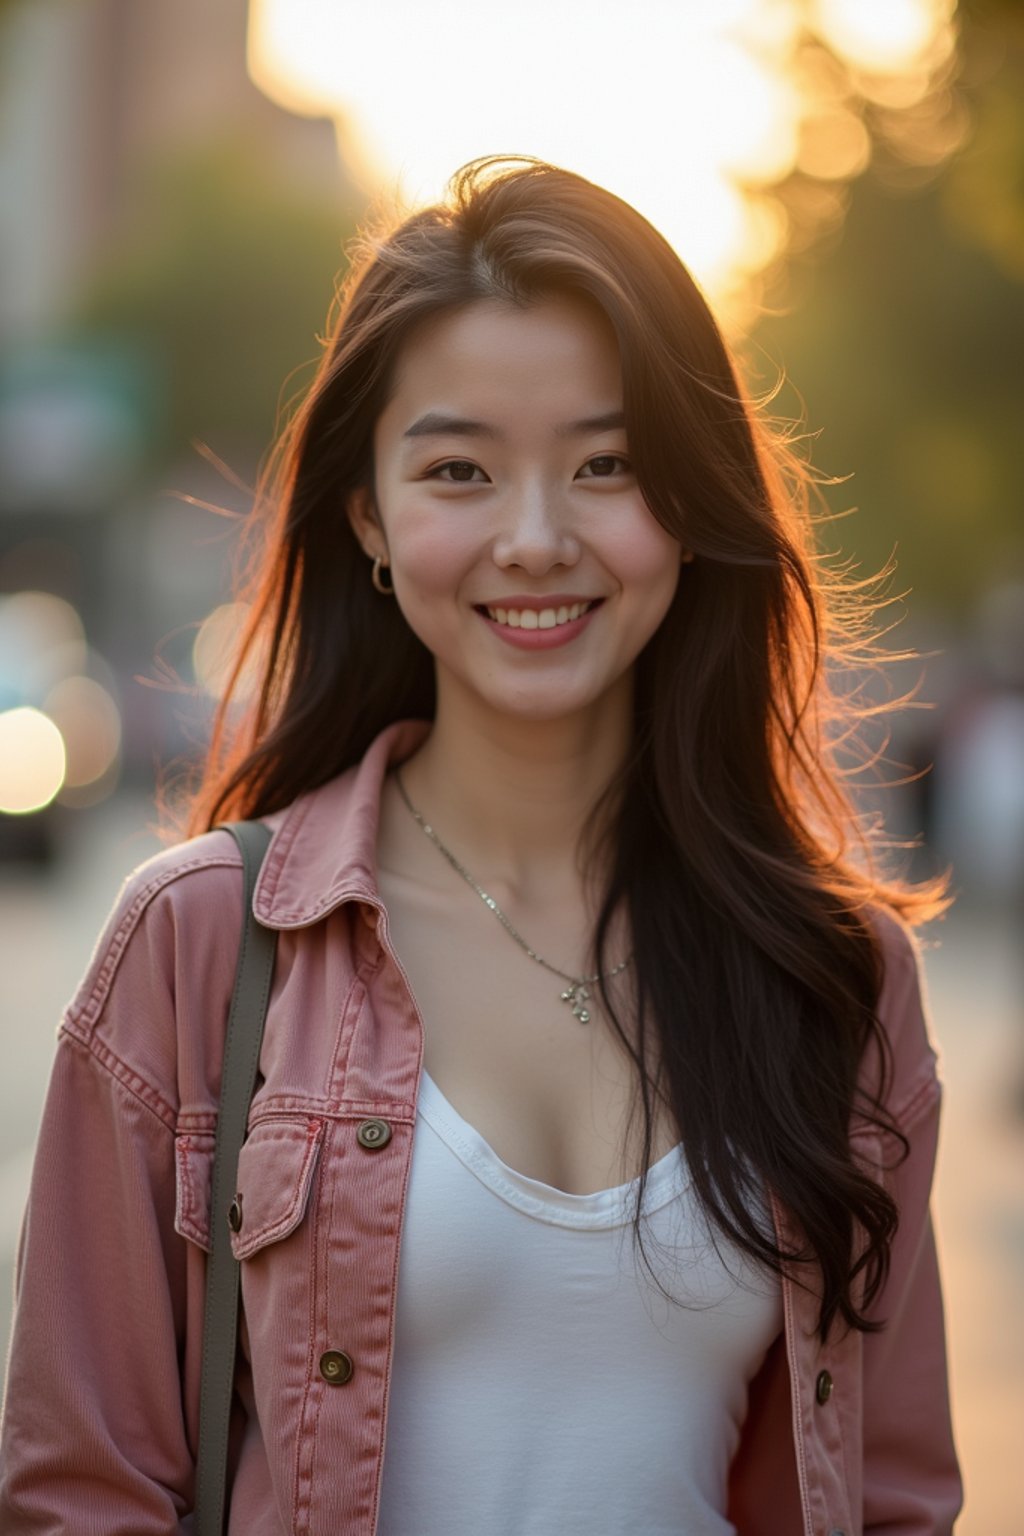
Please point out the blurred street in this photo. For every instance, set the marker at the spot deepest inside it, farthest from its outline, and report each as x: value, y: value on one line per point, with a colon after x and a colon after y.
x: 50, y: 921
x: 182, y: 189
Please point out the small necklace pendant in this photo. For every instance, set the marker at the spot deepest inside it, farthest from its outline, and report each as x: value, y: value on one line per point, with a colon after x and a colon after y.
x: 577, y: 996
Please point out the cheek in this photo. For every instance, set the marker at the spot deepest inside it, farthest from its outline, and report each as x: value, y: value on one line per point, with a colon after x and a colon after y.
x: 645, y: 558
x: 431, y: 552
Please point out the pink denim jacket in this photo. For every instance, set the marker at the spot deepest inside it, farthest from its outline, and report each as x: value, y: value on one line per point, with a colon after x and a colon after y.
x: 100, y: 1426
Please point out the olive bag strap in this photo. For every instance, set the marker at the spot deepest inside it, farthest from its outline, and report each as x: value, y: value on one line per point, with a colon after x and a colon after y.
x: 238, y: 1079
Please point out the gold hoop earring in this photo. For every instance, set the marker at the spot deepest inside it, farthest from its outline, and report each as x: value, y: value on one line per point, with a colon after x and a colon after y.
x: 378, y: 562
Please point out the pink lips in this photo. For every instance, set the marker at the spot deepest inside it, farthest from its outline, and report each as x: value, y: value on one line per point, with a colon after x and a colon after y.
x: 542, y: 639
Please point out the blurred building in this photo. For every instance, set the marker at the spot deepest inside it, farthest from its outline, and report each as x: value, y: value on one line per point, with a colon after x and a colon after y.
x: 94, y: 93
x: 139, y: 162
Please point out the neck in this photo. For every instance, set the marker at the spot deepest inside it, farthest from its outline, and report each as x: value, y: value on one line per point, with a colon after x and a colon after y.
x: 511, y: 795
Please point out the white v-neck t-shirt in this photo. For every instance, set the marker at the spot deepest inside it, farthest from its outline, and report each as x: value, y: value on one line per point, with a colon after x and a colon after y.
x: 541, y: 1384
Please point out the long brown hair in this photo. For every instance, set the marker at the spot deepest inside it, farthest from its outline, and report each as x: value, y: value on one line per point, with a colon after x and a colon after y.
x: 747, y: 871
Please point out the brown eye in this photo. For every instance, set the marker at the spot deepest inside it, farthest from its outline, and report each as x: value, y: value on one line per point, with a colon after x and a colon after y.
x: 454, y: 465
x: 606, y: 465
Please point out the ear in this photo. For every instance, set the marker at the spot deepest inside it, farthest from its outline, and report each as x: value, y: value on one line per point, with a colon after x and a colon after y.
x: 686, y: 556
x: 365, y: 523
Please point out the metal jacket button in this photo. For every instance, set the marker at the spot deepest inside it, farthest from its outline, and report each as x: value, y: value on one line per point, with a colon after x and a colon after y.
x: 235, y: 1214
x: 823, y: 1387
x: 373, y: 1134
x: 336, y: 1367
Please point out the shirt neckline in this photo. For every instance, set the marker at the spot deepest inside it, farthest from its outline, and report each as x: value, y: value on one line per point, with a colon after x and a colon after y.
x: 602, y: 1208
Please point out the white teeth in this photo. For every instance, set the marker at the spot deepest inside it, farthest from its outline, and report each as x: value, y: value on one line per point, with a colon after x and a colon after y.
x: 532, y: 618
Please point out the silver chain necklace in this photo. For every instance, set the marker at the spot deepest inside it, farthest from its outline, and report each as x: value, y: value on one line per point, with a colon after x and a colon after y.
x: 576, y: 994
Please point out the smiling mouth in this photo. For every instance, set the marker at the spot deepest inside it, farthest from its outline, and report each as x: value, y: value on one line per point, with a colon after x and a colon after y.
x: 538, y: 618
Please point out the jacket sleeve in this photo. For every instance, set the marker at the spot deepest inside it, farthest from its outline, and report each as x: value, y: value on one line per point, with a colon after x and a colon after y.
x: 912, y: 1482
x: 98, y: 1432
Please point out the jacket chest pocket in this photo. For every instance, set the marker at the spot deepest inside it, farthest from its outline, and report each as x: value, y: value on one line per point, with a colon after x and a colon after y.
x: 276, y: 1167
x: 275, y: 1174
x: 273, y: 1227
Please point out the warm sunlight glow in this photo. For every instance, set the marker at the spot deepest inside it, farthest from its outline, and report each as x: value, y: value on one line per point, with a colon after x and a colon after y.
x: 32, y: 761
x: 885, y: 36
x: 692, y: 113
x: 677, y: 125
x: 837, y: 146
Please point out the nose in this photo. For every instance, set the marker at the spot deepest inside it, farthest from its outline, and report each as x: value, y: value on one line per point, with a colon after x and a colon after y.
x: 535, y: 532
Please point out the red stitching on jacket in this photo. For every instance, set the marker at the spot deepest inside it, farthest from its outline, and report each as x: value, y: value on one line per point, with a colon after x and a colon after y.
x: 279, y: 1227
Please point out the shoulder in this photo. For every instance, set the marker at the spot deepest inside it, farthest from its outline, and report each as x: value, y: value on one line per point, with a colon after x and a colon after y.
x: 150, y: 1007
x: 901, y: 950
x: 904, y: 1017
x: 172, y: 897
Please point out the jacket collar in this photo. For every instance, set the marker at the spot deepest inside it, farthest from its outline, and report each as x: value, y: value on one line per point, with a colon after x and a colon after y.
x: 323, y: 850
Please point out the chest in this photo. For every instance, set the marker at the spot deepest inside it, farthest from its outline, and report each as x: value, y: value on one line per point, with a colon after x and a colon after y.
x: 551, y: 1095
x: 512, y: 1297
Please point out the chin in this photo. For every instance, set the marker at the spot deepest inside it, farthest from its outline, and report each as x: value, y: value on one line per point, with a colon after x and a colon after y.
x: 541, y: 707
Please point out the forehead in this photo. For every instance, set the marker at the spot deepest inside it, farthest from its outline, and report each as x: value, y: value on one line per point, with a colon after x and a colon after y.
x: 490, y: 358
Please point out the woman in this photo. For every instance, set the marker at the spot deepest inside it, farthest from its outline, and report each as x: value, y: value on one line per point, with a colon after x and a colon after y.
x: 591, y: 1151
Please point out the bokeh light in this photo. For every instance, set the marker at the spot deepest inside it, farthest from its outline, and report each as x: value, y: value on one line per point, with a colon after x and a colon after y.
x: 42, y: 638
x: 884, y: 36
x: 90, y: 723
x: 836, y: 145
x: 32, y: 760
x: 49, y: 673
x: 215, y: 648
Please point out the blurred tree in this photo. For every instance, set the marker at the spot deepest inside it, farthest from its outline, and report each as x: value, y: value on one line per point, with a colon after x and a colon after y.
x: 984, y: 191
x: 225, y: 281
x: 903, y: 342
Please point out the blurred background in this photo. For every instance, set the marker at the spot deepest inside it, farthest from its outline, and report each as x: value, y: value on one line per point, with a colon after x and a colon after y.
x: 845, y: 178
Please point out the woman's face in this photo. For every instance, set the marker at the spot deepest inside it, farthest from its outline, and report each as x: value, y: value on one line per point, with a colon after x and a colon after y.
x: 521, y: 550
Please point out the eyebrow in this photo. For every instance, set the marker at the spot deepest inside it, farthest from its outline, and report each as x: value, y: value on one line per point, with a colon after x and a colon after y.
x: 437, y: 424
